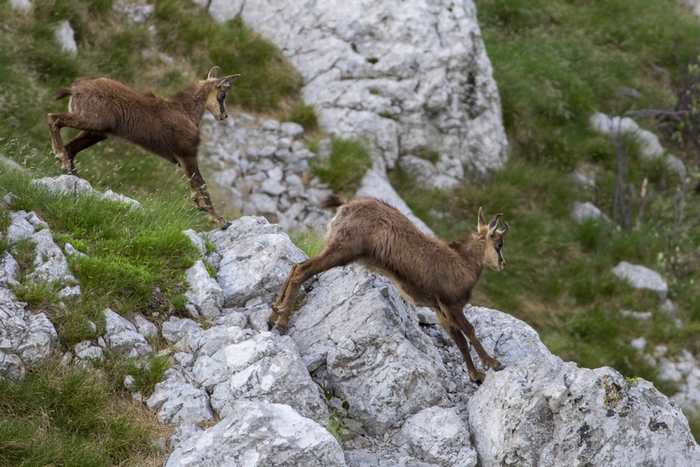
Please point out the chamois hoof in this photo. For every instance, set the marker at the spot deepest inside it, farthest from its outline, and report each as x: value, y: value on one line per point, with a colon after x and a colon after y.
x: 226, y: 226
x: 281, y: 330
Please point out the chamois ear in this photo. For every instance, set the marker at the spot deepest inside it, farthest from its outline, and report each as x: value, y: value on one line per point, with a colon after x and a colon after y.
x: 225, y: 82
x: 493, y: 224
x: 213, y: 72
x: 482, y: 221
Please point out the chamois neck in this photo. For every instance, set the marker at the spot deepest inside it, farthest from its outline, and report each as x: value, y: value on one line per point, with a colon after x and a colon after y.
x: 471, y: 248
x: 191, y: 101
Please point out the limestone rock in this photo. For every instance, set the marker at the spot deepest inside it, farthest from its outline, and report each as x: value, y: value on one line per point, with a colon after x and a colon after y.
x: 9, y: 269
x: 266, y: 368
x: 587, y: 210
x: 405, y: 76
x: 649, y: 145
x: 50, y: 264
x: 641, y: 277
x: 176, y: 401
x: 121, y: 335
x: 258, y: 434
x: 25, y: 339
x: 71, y: 184
x: 254, y: 265
x: 65, y: 37
x: 438, y: 436
x: 540, y: 411
x: 204, y: 294
x: 381, y: 363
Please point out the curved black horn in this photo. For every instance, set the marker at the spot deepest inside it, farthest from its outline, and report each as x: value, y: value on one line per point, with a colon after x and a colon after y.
x: 504, y: 231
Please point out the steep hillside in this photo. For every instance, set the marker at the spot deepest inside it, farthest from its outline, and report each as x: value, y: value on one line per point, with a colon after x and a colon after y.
x: 556, y: 63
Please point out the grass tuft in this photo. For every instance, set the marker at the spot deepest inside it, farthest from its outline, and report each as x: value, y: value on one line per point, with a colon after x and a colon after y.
x: 348, y: 163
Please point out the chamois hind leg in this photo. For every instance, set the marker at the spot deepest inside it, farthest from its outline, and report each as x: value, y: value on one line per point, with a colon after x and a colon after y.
x: 198, y: 188
x: 461, y: 343
x: 71, y: 120
x: 83, y: 140
x: 301, y: 272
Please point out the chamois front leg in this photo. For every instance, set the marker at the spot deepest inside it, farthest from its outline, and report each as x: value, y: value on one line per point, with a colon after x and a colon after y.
x: 460, y: 329
x: 468, y: 329
x: 199, y: 192
x: 56, y: 122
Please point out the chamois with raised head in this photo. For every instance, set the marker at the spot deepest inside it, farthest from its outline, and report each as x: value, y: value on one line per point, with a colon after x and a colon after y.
x: 168, y: 127
x: 427, y: 270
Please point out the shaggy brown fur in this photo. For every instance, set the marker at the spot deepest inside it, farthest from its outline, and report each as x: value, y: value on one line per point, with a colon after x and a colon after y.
x: 169, y: 128
x: 427, y: 270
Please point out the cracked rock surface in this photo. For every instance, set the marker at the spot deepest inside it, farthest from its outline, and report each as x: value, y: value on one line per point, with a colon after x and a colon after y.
x: 409, y: 77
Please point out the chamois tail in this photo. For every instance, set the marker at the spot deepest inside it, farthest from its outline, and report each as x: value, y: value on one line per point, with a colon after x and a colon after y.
x: 332, y: 201
x: 63, y: 92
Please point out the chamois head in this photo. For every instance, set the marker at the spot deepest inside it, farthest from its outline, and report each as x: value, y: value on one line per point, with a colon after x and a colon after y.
x: 493, y: 240
x: 217, y: 93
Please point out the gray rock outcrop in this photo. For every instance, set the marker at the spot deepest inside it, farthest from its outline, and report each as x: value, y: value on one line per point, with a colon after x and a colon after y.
x: 26, y: 339
x: 381, y: 363
x: 260, y: 434
x: 253, y: 264
x: 408, y: 77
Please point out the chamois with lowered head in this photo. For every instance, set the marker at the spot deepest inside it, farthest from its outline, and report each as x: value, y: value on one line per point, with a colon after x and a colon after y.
x: 102, y: 108
x: 427, y: 270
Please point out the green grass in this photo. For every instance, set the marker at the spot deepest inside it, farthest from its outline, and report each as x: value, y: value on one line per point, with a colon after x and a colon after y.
x: 135, y: 258
x: 348, y: 163
x: 70, y: 418
x: 556, y: 61
x: 308, y: 241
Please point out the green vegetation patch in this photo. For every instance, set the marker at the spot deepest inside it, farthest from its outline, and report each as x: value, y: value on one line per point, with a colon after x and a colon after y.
x: 344, y: 169
x: 69, y: 418
x: 135, y: 259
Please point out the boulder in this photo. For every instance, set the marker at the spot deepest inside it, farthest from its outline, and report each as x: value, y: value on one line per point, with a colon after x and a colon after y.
x: 254, y: 264
x: 50, y: 264
x: 266, y: 368
x: 9, y: 270
x: 71, y: 184
x: 437, y: 436
x: 540, y: 411
x: 641, y: 277
x: 585, y: 211
x: 177, y: 401
x: 66, y: 38
x: 381, y: 363
x: 25, y: 339
x: 121, y: 335
x: 649, y: 145
x: 258, y: 434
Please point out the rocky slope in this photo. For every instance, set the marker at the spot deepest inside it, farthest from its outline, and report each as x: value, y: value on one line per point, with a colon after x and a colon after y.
x: 409, y: 77
x: 358, y: 360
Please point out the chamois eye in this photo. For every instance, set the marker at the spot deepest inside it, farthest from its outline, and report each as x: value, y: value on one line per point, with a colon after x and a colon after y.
x: 222, y: 96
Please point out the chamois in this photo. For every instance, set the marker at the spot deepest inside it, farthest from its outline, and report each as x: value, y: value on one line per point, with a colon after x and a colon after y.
x: 427, y: 270
x: 169, y: 128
